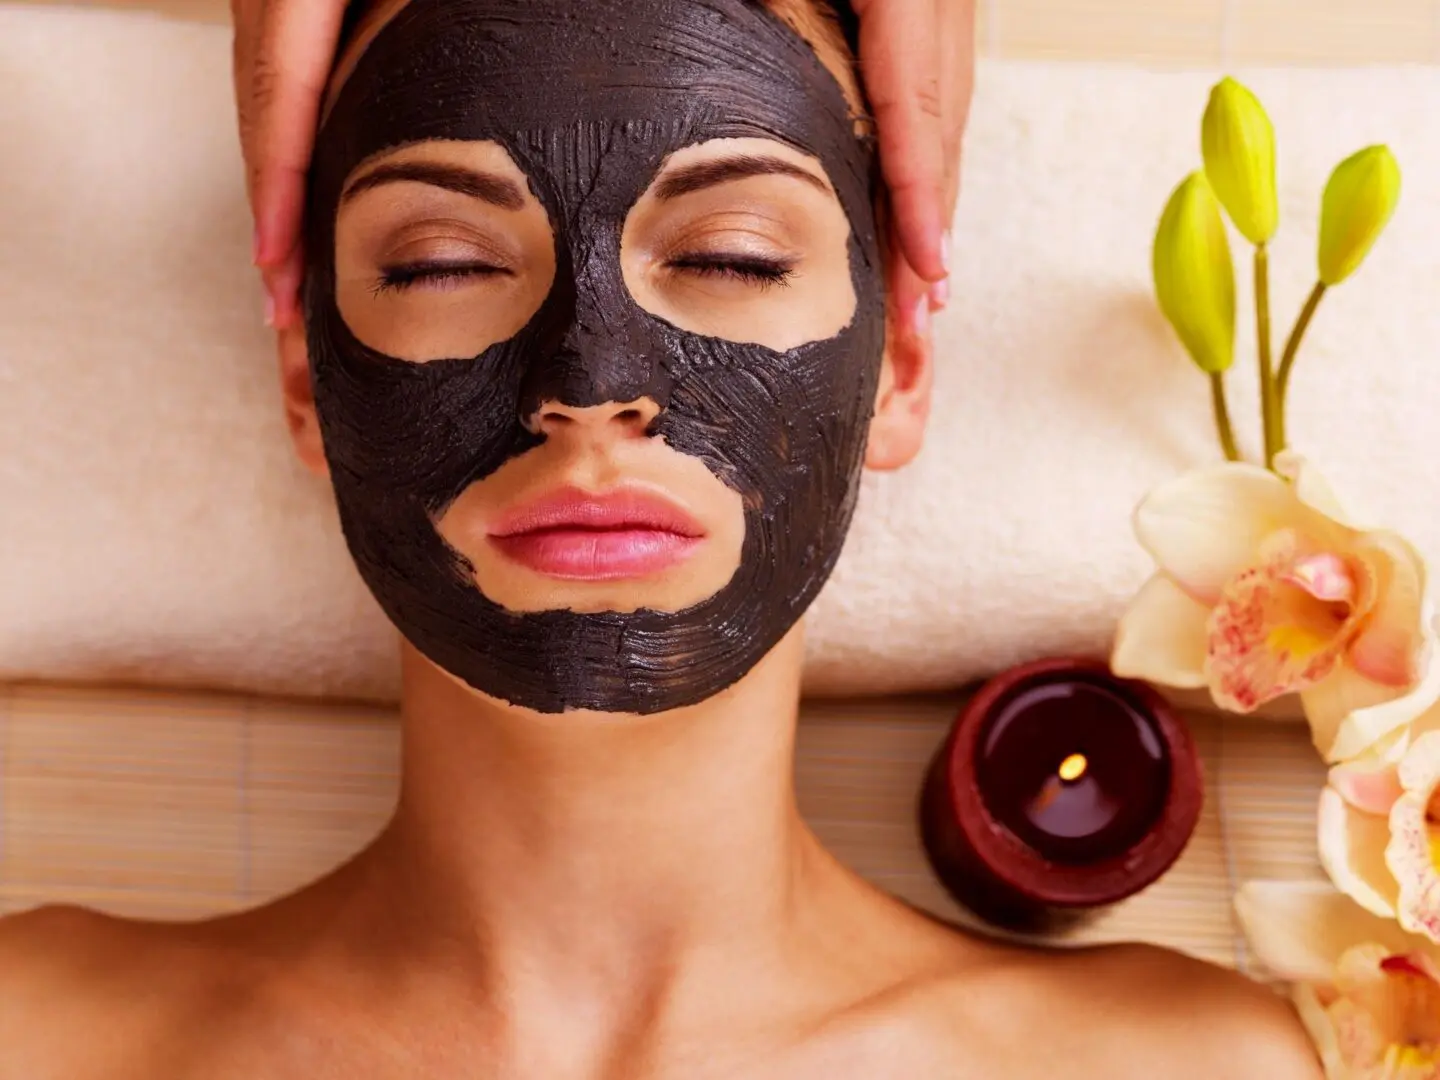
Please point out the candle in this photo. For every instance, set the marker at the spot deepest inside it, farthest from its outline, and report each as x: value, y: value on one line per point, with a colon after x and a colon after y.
x: 1060, y: 790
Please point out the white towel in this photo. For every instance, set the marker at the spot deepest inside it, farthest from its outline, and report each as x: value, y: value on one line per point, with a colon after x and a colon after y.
x: 154, y: 526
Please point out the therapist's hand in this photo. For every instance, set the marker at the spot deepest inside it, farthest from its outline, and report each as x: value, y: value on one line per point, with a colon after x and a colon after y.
x: 284, y: 50
x: 916, y: 58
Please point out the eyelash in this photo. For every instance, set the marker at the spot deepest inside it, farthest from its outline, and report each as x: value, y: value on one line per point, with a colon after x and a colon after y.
x: 400, y: 278
x: 765, y: 273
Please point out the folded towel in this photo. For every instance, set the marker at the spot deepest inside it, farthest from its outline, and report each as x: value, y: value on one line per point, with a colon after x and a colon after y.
x: 154, y: 526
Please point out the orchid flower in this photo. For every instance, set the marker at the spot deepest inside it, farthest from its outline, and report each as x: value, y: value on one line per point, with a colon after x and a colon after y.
x: 1379, y: 827
x: 1367, y: 992
x: 1266, y: 588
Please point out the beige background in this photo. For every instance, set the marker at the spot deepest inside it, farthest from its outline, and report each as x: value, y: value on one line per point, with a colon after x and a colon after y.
x: 1169, y: 32
x: 176, y: 805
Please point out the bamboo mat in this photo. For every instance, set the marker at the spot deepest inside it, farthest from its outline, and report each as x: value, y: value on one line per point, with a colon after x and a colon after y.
x: 179, y: 805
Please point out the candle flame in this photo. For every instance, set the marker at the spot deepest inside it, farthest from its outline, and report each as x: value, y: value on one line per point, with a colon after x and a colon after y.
x: 1073, y: 767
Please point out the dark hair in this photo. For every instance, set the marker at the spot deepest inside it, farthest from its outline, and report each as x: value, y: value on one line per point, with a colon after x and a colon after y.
x: 849, y: 23
x: 354, y: 11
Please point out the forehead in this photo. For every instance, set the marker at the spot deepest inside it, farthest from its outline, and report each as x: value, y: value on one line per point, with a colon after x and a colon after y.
x: 588, y: 96
x: 481, y: 68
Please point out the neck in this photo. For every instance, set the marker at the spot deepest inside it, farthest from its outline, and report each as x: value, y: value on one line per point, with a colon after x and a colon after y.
x: 581, y: 850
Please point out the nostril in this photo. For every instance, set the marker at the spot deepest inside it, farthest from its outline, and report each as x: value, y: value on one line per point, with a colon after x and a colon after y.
x: 545, y: 420
x: 555, y: 418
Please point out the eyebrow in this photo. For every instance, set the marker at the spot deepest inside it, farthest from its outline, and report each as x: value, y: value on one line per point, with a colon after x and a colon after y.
x: 705, y: 174
x: 487, y: 187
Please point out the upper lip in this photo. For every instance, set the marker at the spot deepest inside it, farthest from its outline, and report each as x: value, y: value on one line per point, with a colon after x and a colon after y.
x: 620, y: 509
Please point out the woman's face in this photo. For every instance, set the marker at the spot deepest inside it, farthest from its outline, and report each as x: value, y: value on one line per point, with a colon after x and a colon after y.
x: 596, y: 320
x: 442, y: 250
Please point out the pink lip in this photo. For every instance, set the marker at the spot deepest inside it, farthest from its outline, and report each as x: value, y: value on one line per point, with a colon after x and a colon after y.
x: 576, y: 535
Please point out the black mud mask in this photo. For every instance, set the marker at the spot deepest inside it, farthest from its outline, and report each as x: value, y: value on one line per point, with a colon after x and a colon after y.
x: 589, y: 97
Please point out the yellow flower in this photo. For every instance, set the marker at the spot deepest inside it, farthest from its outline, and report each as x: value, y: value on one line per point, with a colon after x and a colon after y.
x: 1359, y: 198
x: 1194, y: 276
x: 1238, y: 143
x: 1379, y: 828
x: 1368, y: 994
x: 1265, y: 588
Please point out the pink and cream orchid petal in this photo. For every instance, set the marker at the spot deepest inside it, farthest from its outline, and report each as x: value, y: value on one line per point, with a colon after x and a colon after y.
x: 1203, y: 528
x: 1371, y: 785
x: 1311, y: 488
x: 1280, y: 626
x: 1393, y: 647
x: 1299, y: 930
x: 1429, y: 720
x: 1161, y: 637
x: 1349, y: 714
x: 1323, y: 576
x: 1413, y: 850
x: 1352, y: 851
x: 1385, y: 1014
x: 1367, y: 992
x: 1315, y: 1016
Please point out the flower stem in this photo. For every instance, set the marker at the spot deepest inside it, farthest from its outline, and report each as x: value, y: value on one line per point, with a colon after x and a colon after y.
x: 1222, y: 417
x: 1269, y: 410
x: 1292, y: 346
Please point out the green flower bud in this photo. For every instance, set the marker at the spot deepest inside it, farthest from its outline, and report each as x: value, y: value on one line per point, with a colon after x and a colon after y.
x: 1238, y: 143
x: 1194, y: 277
x: 1359, y: 200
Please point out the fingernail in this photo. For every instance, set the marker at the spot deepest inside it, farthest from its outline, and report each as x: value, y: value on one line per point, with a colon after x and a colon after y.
x: 920, y: 318
x: 270, y: 311
x: 940, y: 294
x: 945, y: 250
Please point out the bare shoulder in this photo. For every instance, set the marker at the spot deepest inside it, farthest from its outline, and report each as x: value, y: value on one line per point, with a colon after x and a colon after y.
x: 1191, y: 1017
x: 1125, y: 1012
x: 51, y: 957
x: 86, y: 996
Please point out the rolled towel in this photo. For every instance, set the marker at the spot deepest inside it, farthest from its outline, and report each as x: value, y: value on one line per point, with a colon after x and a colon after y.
x: 155, y: 527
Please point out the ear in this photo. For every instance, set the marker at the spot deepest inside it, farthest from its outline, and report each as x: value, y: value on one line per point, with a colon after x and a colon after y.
x: 299, y: 395
x: 902, y: 401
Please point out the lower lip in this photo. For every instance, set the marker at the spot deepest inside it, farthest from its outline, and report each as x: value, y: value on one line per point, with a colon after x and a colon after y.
x: 596, y: 554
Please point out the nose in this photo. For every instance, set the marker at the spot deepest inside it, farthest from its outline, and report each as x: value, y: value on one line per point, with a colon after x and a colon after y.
x: 617, y: 419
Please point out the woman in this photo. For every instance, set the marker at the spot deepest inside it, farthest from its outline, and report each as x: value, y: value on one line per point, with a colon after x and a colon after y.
x: 596, y: 345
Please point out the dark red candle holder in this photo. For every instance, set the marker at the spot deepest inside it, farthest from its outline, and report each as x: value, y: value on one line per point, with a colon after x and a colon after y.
x: 1007, y: 880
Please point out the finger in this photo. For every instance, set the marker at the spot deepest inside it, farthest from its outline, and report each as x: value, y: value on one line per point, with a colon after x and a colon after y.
x: 906, y: 292
x: 912, y: 298
x: 899, y: 59
x: 956, y: 20
x: 287, y: 78
x: 245, y: 18
x: 282, y: 290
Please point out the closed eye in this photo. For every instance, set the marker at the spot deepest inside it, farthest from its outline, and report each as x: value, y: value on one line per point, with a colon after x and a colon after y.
x: 751, y: 269
x: 439, y: 275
